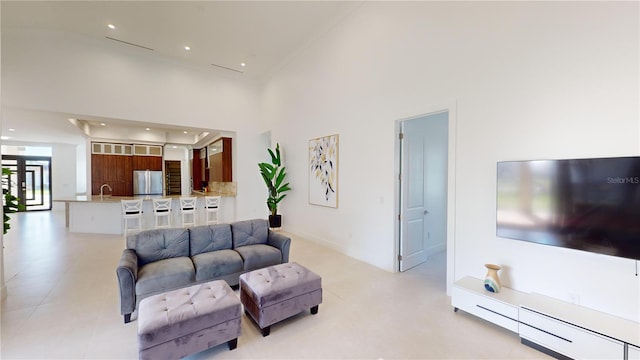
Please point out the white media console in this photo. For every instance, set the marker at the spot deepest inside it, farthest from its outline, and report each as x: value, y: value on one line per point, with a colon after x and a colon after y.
x: 558, y: 328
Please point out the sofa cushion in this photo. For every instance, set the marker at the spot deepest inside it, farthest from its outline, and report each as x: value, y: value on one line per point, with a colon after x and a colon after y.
x: 162, y: 275
x: 250, y: 232
x: 154, y: 245
x: 210, y: 238
x: 259, y: 256
x: 215, y: 264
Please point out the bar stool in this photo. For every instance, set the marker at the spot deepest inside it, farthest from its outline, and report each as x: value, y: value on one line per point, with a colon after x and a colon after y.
x: 188, y: 211
x: 132, y: 211
x: 211, y: 207
x: 162, y: 208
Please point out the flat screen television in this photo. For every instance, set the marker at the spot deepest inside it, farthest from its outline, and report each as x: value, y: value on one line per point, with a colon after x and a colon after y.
x: 584, y: 204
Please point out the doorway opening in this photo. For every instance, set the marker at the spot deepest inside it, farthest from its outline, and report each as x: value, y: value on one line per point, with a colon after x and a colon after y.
x: 174, y: 177
x: 30, y: 180
x: 425, y: 189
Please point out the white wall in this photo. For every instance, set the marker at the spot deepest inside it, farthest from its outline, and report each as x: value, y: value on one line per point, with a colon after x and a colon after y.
x: 63, y: 170
x: 82, y: 166
x: 530, y: 80
x: 64, y: 179
x: 64, y: 167
x: 66, y: 73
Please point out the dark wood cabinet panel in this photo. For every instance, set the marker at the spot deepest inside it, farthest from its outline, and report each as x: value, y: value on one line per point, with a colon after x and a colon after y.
x: 111, y: 164
x: 120, y: 188
x: 96, y: 168
x: 196, y: 166
x: 215, y: 167
x: 113, y: 170
x: 147, y: 163
x: 220, y: 163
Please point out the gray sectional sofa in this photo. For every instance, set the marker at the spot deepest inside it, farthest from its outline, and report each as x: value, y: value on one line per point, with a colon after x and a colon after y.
x: 156, y: 261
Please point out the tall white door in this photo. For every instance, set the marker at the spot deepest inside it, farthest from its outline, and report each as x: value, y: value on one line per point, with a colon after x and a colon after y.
x: 423, y: 188
x: 414, y: 211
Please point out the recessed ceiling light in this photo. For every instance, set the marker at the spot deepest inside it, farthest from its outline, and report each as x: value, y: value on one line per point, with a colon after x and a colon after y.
x: 187, y: 48
x: 111, y: 26
x: 12, y: 129
x: 243, y: 64
x: 103, y: 124
x: 175, y: 147
x: 148, y: 129
x: 186, y: 132
x: 4, y: 137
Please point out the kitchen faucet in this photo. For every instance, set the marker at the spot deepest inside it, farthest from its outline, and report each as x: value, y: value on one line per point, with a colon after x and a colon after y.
x: 102, y: 188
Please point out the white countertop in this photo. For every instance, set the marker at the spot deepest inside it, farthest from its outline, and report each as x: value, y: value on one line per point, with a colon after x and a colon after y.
x: 112, y: 199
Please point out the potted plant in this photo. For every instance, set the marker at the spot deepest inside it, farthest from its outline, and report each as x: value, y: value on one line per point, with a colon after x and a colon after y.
x: 273, y: 175
x: 10, y: 203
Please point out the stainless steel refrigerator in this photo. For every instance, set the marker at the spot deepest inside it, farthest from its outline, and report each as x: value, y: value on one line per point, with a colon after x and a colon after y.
x: 147, y: 182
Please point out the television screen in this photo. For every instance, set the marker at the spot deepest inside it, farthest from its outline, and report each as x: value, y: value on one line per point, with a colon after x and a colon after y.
x: 585, y: 204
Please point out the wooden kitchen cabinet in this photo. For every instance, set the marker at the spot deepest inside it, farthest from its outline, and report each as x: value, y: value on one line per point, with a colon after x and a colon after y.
x: 147, y: 163
x: 113, y: 164
x: 114, y: 170
x: 220, y: 160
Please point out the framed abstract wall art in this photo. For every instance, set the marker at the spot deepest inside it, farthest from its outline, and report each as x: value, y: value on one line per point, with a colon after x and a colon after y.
x: 323, y: 171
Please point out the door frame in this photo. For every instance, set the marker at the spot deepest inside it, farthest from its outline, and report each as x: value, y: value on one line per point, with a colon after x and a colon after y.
x: 450, y: 106
x: 168, y: 175
x: 21, y: 174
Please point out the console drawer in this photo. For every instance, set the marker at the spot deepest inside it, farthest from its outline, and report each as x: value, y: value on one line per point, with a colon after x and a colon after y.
x: 485, y: 307
x: 567, y: 339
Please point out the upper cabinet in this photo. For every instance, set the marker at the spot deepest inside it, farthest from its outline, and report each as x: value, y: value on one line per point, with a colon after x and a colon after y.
x: 126, y: 149
x: 147, y: 150
x: 111, y: 149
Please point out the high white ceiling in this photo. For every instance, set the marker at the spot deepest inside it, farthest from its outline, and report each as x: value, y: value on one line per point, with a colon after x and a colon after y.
x: 220, y: 34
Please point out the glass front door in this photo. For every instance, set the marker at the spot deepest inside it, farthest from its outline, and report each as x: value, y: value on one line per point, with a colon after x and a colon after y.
x: 30, y: 180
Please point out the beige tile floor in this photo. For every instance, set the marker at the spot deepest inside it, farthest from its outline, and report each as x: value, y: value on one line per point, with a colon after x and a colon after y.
x: 63, y: 304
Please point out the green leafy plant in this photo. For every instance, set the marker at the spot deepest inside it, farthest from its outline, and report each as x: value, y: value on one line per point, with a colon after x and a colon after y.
x: 11, y: 203
x: 273, y: 175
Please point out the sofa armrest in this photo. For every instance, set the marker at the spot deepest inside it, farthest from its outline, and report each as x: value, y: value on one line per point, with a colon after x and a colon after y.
x: 281, y: 242
x: 127, y: 272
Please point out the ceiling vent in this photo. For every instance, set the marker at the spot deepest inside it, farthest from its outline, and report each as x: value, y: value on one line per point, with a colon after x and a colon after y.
x: 128, y: 43
x: 227, y: 68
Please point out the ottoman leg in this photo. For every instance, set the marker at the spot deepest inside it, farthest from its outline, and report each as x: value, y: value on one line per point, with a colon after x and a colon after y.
x: 266, y: 331
x: 233, y: 343
x: 314, y: 310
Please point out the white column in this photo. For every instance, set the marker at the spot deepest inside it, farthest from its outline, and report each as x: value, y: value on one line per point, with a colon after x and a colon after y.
x: 3, y: 287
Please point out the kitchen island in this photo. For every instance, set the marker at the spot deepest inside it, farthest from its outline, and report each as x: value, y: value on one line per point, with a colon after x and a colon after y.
x: 103, y: 214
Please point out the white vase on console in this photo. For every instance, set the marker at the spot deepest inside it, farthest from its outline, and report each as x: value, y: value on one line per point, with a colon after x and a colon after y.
x: 492, y: 280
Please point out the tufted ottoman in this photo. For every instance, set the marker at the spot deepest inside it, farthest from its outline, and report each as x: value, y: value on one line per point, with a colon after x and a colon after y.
x: 189, y: 320
x: 277, y: 292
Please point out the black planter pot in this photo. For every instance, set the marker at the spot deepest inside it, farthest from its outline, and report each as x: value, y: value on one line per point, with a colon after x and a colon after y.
x: 275, y: 221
